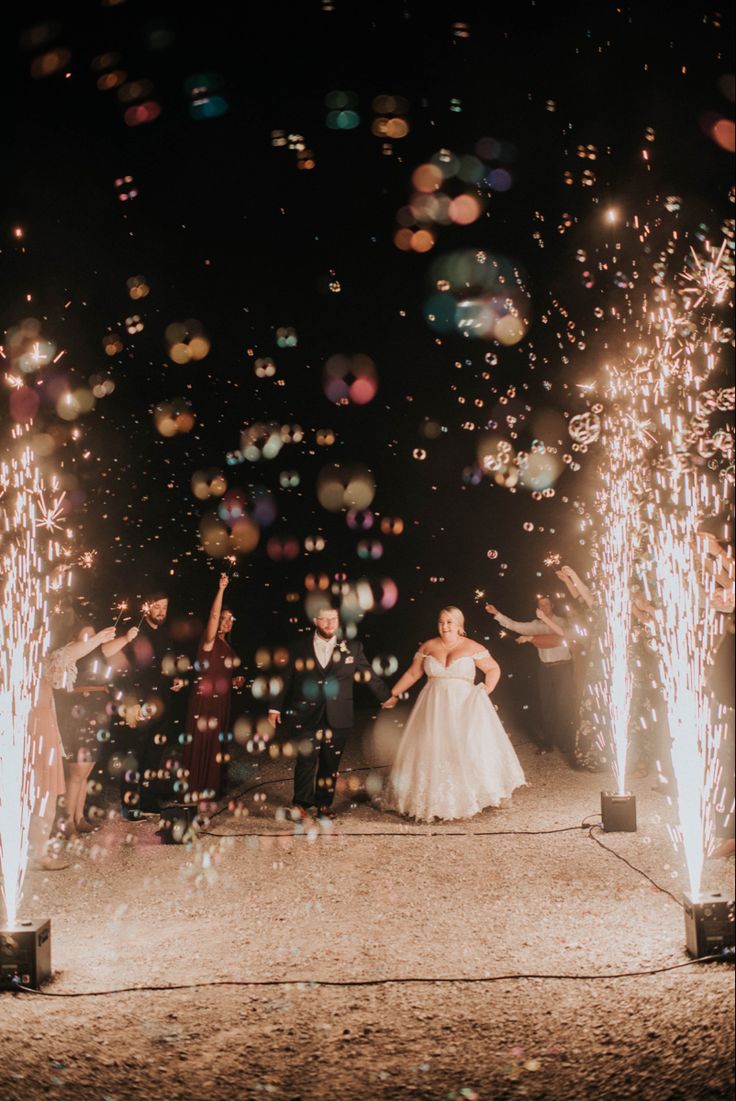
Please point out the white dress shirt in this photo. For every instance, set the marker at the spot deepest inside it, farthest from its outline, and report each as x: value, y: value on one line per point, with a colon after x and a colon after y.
x: 547, y: 655
x: 324, y: 648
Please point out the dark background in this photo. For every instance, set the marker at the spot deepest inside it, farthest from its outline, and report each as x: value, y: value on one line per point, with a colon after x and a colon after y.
x: 226, y: 229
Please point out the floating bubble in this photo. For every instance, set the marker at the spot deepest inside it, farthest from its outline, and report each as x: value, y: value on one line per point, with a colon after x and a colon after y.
x: 345, y: 487
x: 286, y: 337
x: 350, y: 379
x: 126, y: 188
x: 342, y: 120
x: 585, y: 428
x: 172, y: 418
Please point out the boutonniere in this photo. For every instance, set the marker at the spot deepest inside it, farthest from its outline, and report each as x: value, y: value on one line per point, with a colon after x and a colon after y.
x: 343, y: 647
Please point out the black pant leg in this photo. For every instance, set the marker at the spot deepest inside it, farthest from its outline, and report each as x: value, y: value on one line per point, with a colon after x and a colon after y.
x: 307, y: 738
x: 565, y: 698
x: 547, y: 721
x: 330, y: 752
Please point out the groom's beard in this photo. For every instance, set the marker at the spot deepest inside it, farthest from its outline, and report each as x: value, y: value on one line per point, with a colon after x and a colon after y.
x: 327, y: 638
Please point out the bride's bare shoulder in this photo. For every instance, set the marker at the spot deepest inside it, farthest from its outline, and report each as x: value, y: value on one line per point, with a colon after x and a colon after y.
x: 472, y: 647
x: 428, y: 647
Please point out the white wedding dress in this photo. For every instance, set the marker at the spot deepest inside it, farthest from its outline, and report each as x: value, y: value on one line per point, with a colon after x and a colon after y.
x: 454, y: 757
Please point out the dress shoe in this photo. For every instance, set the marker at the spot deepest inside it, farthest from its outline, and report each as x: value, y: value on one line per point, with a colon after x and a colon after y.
x: 53, y: 864
x: 299, y: 813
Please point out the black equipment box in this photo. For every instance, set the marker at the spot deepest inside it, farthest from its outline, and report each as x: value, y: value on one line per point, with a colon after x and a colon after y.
x: 25, y: 954
x: 709, y: 926
x: 618, y: 812
x: 179, y: 824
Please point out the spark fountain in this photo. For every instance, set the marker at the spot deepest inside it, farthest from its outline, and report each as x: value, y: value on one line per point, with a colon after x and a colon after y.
x: 691, y: 481
x: 618, y: 506
x: 27, y: 580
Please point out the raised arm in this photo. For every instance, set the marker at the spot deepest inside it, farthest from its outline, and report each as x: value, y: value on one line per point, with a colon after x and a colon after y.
x: 549, y: 622
x: 575, y: 586
x: 530, y: 627
x: 410, y: 677
x: 82, y: 647
x: 110, y: 649
x: 210, y: 633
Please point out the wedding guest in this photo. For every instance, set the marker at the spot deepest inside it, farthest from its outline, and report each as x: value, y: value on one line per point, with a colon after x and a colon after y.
x: 151, y: 678
x: 555, y: 672
x: 318, y: 683
x: 59, y: 671
x: 81, y: 712
x: 208, y: 718
x: 715, y: 544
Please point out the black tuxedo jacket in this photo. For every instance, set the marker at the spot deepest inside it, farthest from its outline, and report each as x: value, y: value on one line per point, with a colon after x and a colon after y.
x: 319, y: 696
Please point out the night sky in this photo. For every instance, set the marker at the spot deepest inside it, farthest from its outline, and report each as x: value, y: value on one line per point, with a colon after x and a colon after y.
x: 567, y: 110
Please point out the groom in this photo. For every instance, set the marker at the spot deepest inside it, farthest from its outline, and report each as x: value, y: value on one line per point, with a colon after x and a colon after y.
x: 318, y: 682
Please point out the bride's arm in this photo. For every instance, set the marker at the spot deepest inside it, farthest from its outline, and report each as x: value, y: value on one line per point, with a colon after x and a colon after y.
x: 492, y: 670
x: 410, y: 677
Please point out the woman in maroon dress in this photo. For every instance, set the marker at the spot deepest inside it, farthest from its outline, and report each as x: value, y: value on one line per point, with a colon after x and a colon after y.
x: 206, y: 752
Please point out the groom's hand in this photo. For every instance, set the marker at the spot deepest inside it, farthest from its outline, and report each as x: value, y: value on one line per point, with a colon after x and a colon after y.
x: 274, y: 717
x: 491, y: 609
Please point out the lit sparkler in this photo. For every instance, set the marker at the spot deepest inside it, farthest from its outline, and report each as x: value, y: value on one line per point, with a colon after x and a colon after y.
x: 121, y: 607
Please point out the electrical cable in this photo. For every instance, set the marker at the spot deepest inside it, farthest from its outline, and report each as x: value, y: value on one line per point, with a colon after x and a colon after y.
x: 726, y: 957
x: 633, y: 867
x: 280, y: 780
x: 401, y: 833
x: 407, y: 980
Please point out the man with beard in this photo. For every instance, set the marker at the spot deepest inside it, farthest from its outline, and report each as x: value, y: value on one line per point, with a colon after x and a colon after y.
x: 151, y: 681
x: 318, y: 682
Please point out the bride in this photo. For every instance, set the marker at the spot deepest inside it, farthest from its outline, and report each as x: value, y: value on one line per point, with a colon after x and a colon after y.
x: 454, y: 757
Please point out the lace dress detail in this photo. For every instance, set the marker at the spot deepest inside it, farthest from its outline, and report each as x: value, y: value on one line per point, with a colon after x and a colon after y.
x: 454, y: 757
x: 60, y: 669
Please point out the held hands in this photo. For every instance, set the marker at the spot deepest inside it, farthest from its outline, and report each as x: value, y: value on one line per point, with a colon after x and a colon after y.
x: 388, y: 704
x: 177, y: 684
x: 522, y: 638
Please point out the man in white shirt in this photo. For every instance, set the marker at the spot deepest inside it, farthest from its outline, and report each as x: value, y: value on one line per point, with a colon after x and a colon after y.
x: 318, y: 682
x: 556, y: 676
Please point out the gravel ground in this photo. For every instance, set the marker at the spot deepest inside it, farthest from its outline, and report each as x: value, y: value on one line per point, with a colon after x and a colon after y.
x: 271, y: 906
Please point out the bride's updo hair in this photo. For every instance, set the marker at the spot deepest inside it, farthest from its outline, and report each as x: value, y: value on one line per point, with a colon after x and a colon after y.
x: 455, y: 615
